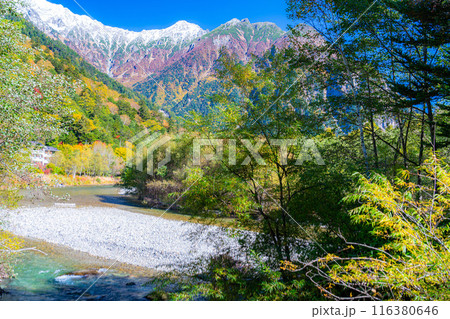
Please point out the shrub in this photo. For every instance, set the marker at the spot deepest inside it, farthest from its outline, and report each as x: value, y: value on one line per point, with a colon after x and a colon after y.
x: 159, y: 193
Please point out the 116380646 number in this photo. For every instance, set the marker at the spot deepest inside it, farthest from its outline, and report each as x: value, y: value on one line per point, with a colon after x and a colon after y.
x: 405, y: 310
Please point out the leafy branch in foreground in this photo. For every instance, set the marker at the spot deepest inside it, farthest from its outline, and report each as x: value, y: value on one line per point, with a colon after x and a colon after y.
x: 228, y: 279
x: 411, y: 221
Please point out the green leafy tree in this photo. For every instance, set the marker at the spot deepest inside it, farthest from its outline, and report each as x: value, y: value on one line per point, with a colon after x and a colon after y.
x: 276, y: 192
x: 388, y: 59
x: 31, y: 108
x: 32, y: 100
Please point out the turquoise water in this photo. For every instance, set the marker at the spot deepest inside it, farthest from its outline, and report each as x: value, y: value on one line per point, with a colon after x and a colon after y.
x: 40, y: 277
x: 45, y: 277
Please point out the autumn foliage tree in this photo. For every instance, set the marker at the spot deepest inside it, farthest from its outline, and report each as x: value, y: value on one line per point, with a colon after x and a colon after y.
x: 97, y: 159
x: 411, y: 259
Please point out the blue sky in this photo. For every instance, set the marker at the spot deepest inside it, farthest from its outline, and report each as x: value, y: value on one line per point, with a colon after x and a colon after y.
x: 137, y: 15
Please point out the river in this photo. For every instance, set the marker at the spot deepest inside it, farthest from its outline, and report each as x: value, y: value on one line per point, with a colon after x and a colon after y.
x: 60, y: 273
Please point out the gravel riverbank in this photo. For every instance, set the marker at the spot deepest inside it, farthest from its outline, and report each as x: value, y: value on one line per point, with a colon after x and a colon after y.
x: 131, y: 238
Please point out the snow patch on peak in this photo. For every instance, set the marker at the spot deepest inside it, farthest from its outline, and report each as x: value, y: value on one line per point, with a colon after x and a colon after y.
x: 237, y: 21
x: 184, y: 24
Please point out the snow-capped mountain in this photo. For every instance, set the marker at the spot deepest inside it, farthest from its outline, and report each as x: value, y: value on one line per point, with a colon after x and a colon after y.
x: 168, y: 65
x: 98, y: 43
x: 57, y: 18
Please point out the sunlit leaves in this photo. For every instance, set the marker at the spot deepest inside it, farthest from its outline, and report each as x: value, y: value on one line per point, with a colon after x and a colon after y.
x: 414, y: 261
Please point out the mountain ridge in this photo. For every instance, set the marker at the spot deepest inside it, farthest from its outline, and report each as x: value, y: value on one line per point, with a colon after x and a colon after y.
x: 63, y: 21
x: 51, y: 15
x: 165, y: 65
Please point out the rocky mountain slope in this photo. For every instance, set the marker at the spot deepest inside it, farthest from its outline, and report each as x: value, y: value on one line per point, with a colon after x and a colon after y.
x: 172, y: 67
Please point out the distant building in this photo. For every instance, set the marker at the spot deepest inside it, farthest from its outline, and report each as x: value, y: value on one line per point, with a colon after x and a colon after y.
x: 41, y: 154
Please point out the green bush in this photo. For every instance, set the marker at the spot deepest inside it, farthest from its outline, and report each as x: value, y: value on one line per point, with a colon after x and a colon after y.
x: 55, y: 169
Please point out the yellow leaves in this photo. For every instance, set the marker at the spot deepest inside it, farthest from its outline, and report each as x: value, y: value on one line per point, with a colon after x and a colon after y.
x: 414, y: 262
x: 45, y: 64
x: 90, y: 126
x: 405, y: 174
x: 9, y: 244
x: 160, y: 94
x: 121, y: 152
x: 330, y: 257
x: 102, y: 90
x: 153, y: 125
x: 77, y: 116
x: 129, y: 145
x: 288, y: 266
x: 9, y: 197
x: 98, y: 159
x: 178, y: 91
x: 99, y: 88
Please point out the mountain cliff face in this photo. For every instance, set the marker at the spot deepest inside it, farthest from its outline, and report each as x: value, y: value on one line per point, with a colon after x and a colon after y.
x: 172, y: 67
